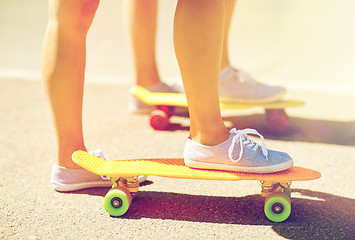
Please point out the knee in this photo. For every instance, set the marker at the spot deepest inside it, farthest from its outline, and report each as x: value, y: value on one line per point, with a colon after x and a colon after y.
x: 74, y: 15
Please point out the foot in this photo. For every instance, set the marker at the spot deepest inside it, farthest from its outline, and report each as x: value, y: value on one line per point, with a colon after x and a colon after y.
x: 137, y: 106
x: 69, y: 179
x: 237, y: 85
x: 238, y: 153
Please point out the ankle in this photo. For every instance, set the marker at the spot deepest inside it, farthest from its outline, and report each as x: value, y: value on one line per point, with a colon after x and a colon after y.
x: 147, y: 79
x: 148, y: 83
x: 210, y: 138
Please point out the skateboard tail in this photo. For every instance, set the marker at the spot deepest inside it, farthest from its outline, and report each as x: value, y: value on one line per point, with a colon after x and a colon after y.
x: 88, y: 161
x: 157, y: 99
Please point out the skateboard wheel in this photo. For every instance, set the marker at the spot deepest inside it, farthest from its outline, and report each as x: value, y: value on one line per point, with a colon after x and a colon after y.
x: 277, y: 207
x: 159, y: 120
x: 117, y: 201
x: 277, y: 120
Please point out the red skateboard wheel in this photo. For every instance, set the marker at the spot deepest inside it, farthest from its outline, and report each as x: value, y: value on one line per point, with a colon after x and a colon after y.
x: 159, y: 120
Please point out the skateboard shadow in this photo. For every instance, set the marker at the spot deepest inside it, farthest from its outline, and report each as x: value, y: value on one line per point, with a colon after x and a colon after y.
x: 321, y: 217
x: 315, y: 215
x: 327, y: 216
x: 301, y: 129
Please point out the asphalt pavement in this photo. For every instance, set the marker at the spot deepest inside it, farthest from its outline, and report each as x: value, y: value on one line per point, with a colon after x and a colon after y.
x: 314, y: 64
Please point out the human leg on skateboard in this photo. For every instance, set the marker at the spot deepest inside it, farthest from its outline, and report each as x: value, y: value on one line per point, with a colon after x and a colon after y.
x: 63, y: 70
x: 141, y: 19
x: 198, y: 34
x: 198, y: 38
x: 235, y: 84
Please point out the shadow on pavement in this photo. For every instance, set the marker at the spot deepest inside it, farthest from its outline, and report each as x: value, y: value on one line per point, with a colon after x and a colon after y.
x: 328, y: 217
x: 301, y: 129
x: 315, y: 215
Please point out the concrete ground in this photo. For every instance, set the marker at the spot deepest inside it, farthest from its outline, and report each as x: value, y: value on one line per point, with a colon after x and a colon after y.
x: 307, y: 47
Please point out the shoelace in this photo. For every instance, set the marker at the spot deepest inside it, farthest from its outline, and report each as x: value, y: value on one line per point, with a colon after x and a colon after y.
x: 242, y: 136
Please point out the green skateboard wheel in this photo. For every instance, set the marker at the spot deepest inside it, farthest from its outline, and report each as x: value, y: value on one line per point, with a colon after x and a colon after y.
x: 117, y: 201
x: 277, y: 207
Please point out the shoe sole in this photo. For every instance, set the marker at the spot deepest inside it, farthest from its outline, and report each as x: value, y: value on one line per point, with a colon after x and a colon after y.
x: 215, y: 166
x: 60, y: 187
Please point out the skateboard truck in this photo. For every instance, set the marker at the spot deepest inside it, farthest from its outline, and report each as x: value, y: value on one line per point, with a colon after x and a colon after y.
x: 270, y: 187
x: 130, y: 183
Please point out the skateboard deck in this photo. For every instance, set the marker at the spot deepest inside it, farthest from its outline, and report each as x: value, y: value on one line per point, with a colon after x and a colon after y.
x: 175, y: 168
x: 179, y: 100
x: 275, y: 186
x: 165, y: 103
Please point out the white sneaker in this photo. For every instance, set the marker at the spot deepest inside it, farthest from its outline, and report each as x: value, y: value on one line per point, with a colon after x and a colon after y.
x: 238, y: 86
x: 238, y: 153
x: 69, y: 179
x: 137, y: 106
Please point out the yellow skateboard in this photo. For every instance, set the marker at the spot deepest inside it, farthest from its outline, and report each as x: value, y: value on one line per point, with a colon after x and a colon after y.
x: 124, y: 173
x: 165, y: 104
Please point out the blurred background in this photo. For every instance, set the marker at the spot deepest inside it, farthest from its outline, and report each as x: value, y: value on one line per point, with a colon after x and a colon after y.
x: 302, y: 45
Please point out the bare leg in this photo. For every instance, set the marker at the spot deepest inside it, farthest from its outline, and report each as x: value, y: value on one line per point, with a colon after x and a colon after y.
x: 141, y: 20
x: 63, y: 67
x: 229, y: 9
x: 198, y: 36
